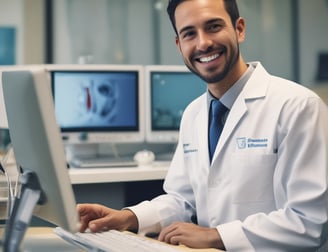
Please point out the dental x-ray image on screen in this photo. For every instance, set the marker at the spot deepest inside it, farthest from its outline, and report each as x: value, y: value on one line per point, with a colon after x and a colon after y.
x: 103, y: 102
x: 95, y: 100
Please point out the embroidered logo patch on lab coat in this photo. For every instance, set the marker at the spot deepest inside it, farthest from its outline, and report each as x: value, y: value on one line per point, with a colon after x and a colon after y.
x: 241, y: 142
x: 244, y: 143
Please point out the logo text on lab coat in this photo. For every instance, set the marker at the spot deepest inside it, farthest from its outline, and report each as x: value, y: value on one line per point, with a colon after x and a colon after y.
x: 187, y: 149
x: 244, y: 142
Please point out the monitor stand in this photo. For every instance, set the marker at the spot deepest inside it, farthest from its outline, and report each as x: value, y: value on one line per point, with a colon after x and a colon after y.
x: 81, y: 150
x: 91, y: 151
x: 20, y: 217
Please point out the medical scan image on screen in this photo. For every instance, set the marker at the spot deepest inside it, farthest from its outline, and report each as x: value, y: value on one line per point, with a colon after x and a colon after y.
x: 95, y: 100
x: 170, y: 95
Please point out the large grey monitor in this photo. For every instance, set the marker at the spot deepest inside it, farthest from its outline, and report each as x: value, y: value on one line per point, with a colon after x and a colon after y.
x: 39, y: 152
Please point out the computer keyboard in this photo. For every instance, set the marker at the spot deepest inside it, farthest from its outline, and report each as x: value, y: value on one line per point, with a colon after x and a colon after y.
x: 114, y: 241
x: 103, y: 162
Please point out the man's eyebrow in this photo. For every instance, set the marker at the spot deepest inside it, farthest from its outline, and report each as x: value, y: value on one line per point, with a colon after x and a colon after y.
x: 184, y: 29
x: 214, y: 20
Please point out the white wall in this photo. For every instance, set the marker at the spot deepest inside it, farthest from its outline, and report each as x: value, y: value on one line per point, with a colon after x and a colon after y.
x: 34, y: 27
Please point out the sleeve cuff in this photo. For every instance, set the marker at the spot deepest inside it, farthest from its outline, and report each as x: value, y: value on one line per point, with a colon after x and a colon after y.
x: 232, y: 232
x: 148, y: 218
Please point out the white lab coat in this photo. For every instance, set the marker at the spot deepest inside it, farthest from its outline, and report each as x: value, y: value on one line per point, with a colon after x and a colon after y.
x: 266, y: 189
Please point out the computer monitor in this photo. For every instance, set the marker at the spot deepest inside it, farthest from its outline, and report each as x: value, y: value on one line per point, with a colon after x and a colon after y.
x: 169, y: 89
x: 39, y: 153
x: 98, y: 103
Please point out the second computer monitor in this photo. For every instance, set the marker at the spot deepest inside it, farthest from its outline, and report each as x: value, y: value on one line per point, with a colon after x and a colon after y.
x: 98, y: 103
x: 169, y: 89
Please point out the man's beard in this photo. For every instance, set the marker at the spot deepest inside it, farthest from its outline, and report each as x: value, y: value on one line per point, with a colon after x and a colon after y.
x: 214, y: 78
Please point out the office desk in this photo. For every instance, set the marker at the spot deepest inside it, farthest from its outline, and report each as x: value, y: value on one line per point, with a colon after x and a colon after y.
x: 156, y: 171
x: 40, y: 239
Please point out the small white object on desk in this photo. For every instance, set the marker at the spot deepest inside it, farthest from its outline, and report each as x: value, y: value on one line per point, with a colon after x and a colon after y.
x: 144, y: 157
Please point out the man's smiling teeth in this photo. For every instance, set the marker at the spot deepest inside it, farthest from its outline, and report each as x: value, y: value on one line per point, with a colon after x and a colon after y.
x: 210, y: 58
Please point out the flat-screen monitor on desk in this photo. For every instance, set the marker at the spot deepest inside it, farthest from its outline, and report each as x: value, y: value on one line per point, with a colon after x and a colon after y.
x: 39, y: 152
x: 169, y: 89
x: 98, y: 103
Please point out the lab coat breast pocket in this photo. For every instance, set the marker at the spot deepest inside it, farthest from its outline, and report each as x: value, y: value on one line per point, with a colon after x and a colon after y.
x: 252, y: 177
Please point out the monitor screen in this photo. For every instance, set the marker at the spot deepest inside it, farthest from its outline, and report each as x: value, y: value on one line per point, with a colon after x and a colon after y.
x: 95, y: 104
x: 169, y: 90
x: 38, y: 150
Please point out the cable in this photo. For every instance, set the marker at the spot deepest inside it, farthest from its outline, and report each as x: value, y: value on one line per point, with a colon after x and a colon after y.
x: 12, y: 191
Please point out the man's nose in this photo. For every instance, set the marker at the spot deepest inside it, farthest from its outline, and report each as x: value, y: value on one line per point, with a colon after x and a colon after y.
x: 204, y: 41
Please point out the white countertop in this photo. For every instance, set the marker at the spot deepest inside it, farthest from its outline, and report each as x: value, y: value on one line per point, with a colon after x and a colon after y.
x: 156, y: 171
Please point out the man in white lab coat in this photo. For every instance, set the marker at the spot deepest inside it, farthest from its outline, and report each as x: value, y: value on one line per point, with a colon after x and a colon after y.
x: 265, y: 189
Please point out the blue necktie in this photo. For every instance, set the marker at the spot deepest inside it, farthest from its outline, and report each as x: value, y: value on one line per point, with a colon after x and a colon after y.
x: 217, y: 113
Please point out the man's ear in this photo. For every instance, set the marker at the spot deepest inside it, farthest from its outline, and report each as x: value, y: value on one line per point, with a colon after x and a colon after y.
x: 241, y: 29
x: 177, y: 43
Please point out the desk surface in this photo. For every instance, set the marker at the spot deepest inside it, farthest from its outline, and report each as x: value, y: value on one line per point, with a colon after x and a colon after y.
x: 115, y: 174
x: 156, y: 171
x: 40, y: 239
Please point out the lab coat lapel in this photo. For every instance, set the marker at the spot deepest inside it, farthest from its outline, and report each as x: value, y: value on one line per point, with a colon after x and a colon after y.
x: 256, y: 87
x: 238, y: 110
x: 202, y: 125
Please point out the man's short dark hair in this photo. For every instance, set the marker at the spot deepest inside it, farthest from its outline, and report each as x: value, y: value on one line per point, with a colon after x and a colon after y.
x: 230, y: 6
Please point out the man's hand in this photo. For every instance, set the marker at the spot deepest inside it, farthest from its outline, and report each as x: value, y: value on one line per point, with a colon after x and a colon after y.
x: 98, y: 218
x: 191, y: 235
